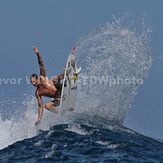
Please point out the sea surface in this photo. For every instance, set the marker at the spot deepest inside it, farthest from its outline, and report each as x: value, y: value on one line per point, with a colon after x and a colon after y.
x: 85, y: 143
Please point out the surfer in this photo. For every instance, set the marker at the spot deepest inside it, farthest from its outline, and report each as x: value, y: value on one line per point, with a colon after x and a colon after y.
x: 46, y: 87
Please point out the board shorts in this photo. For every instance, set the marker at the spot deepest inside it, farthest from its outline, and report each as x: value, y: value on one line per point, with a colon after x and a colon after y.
x: 56, y: 102
x: 59, y: 91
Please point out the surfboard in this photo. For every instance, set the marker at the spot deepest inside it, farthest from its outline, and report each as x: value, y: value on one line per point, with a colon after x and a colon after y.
x: 69, y: 87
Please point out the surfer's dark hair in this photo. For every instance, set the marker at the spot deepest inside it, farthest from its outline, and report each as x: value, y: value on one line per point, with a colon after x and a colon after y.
x: 34, y: 76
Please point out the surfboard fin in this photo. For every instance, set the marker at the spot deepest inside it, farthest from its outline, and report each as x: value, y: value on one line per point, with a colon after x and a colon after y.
x: 78, y: 70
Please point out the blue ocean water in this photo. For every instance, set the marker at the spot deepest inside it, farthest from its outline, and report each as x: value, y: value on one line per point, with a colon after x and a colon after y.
x: 85, y: 143
x: 120, y: 55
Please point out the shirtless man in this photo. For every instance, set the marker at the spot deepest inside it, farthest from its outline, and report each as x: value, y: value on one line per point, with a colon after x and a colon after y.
x: 45, y: 87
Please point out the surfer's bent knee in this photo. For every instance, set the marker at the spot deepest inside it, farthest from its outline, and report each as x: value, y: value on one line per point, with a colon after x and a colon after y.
x: 47, y: 106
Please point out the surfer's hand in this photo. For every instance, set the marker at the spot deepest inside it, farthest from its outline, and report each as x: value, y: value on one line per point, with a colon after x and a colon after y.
x: 35, y: 50
x: 37, y: 122
x: 64, y: 68
x: 55, y: 80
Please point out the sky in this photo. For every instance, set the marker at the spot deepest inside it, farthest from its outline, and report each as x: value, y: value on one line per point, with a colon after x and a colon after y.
x: 54, y: 26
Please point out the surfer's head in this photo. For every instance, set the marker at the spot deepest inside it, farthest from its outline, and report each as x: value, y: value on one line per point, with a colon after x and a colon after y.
x: 34, y: 80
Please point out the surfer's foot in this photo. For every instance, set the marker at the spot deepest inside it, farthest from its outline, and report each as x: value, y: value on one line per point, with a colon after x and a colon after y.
x: 70, y: 109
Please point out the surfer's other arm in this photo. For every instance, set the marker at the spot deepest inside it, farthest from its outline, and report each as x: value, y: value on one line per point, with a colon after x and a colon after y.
x: 40, y: 62
x: 40, y: 110
x: 58, y: 78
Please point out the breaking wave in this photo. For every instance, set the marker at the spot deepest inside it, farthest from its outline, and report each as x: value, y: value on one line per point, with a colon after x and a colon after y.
x: 121, y: 51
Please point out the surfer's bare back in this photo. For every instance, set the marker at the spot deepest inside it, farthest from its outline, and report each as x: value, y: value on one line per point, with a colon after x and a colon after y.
x: 45, y: 87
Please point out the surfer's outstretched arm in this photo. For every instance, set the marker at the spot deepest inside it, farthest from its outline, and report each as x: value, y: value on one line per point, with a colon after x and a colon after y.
x: 41, y: 109
x: 40, y: 61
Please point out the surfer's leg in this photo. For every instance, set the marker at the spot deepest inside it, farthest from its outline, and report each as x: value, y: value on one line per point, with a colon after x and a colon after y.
x: 51, y: 107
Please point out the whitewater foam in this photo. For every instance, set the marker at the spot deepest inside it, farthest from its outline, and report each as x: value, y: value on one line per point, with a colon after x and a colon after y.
x: 17, y: 129
x: 23, y: 126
